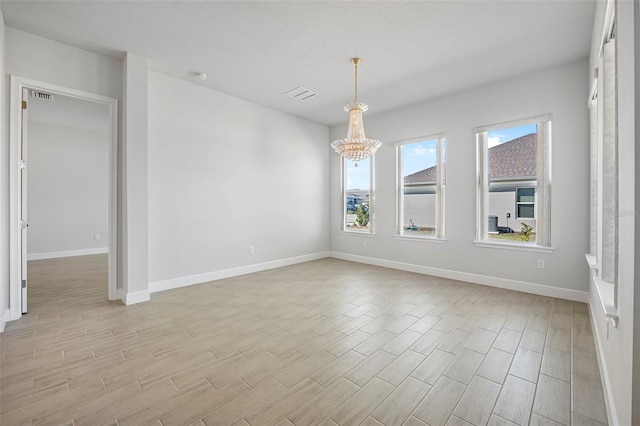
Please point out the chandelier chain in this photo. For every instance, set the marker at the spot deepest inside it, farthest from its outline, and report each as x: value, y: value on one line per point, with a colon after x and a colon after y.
x: 355, y: 72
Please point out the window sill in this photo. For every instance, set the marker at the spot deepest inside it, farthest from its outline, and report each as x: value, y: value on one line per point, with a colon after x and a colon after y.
x: 512, y: 246
x: 358, y: 233
x: 593, y: 263
x: 421, y: 239
x: 606, y: 291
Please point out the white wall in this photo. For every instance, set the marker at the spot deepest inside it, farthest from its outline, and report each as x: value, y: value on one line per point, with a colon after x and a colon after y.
x: 133, y: 183
x: 635, y: 401
x: 226, y: 174
x: 559, y: 91
x: 4, y: 178
x: 68, y: 189
x: 39, y: 58
x: 619, y: 347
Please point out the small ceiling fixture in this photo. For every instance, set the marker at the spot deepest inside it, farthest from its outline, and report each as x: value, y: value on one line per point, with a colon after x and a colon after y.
x: 202, y: 76
x: 301, y: 93
x: 356, y: 146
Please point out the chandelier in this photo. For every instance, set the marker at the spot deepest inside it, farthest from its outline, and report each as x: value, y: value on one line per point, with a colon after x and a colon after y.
x: 356, y: 146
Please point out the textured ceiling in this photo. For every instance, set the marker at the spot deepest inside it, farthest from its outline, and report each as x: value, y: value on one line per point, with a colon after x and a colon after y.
x: 410, y: 50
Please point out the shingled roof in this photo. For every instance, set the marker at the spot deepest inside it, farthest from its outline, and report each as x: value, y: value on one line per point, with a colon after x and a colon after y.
x: 513, y: 159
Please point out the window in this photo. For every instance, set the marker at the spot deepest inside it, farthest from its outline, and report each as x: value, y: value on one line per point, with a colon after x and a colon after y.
x: 606, y: 173
x: 420, y: 183
x: 525, y: 203
x: 514, y: 176
x: 357, y: 184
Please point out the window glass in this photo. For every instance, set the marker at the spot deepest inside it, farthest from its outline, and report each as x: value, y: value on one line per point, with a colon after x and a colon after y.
x: 510, y: 182
x: 421, y: 187
x: 358, y: 195
x: 420, y: 171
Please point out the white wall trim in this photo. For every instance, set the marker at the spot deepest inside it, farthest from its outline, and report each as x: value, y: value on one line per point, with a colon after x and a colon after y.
x: 527, y: 287
x: 514, y: 246
x: 17, y: 83
x: 232, y: 272
x: 133, y: 297
x: 612, y: 415
x: 68, y: 253
x: 4, y: 318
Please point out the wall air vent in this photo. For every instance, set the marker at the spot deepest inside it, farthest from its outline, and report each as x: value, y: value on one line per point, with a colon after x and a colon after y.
x: 41, y: 95
x: 301, y: 94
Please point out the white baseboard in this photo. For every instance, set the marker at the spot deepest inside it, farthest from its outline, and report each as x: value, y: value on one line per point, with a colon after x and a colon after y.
x: 68, y: 253
x: 232, y: 272
x: 133, y: 297
x: 596, y: 306
x: 533, y: 288
x: 5, y: 317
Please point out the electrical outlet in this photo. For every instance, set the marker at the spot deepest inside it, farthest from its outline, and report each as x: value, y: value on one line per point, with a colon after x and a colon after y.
x: 96, y: 237
x: 251, y: 251
x: 364, y: 243
x: 540, y: 264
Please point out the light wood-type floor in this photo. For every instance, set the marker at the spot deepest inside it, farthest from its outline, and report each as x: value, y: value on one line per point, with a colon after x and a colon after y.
x: 325, y: 342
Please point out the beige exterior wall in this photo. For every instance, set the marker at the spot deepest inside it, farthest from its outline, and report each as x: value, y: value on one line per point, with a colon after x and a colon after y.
x: 502, y: 202
x: 422, y: 209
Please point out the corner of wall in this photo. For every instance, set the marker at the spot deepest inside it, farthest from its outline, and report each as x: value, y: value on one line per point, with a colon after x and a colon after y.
x: 635, y: 402
x: 133, y: 208
x: 507, y: 284
x: 233, y: 272
x: 132, y: 298
x: 4, y: 177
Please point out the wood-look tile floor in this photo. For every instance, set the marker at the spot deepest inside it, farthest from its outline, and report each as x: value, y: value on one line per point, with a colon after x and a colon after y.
x: 325, y: 342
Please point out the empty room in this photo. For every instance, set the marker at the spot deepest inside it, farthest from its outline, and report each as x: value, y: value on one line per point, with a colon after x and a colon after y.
x: 195, y: 228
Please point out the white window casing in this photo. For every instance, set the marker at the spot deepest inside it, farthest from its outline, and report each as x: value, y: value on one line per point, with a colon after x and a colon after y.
x: 439, y: 192
x: 482, y: 183
x: 343, y: 179
x: 609, y: 166
x: 542, y: 201
x: 543, y: 189
x: 605, y: 202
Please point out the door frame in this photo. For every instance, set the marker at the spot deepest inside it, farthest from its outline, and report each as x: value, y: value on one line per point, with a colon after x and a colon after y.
x: 15, y: 209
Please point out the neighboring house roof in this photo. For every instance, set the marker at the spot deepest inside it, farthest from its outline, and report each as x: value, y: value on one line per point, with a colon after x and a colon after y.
x: 513, y: 160
x: 423, y: 176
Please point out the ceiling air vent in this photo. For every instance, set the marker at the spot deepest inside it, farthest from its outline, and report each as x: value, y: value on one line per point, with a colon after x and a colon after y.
x: 301, y: 94
x: 42, y: 95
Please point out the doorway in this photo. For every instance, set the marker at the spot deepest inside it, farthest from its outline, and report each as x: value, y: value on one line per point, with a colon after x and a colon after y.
x: 56, y: 119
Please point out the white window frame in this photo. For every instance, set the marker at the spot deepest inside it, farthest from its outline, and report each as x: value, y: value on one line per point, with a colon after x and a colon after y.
x: 343, y: 204
x: 518, y: 203
x: 605, y: 173
x: 543, y: 186
x: 441, y: 142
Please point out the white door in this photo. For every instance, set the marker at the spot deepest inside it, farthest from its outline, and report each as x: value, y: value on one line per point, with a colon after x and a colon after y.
x: 23, y: 202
